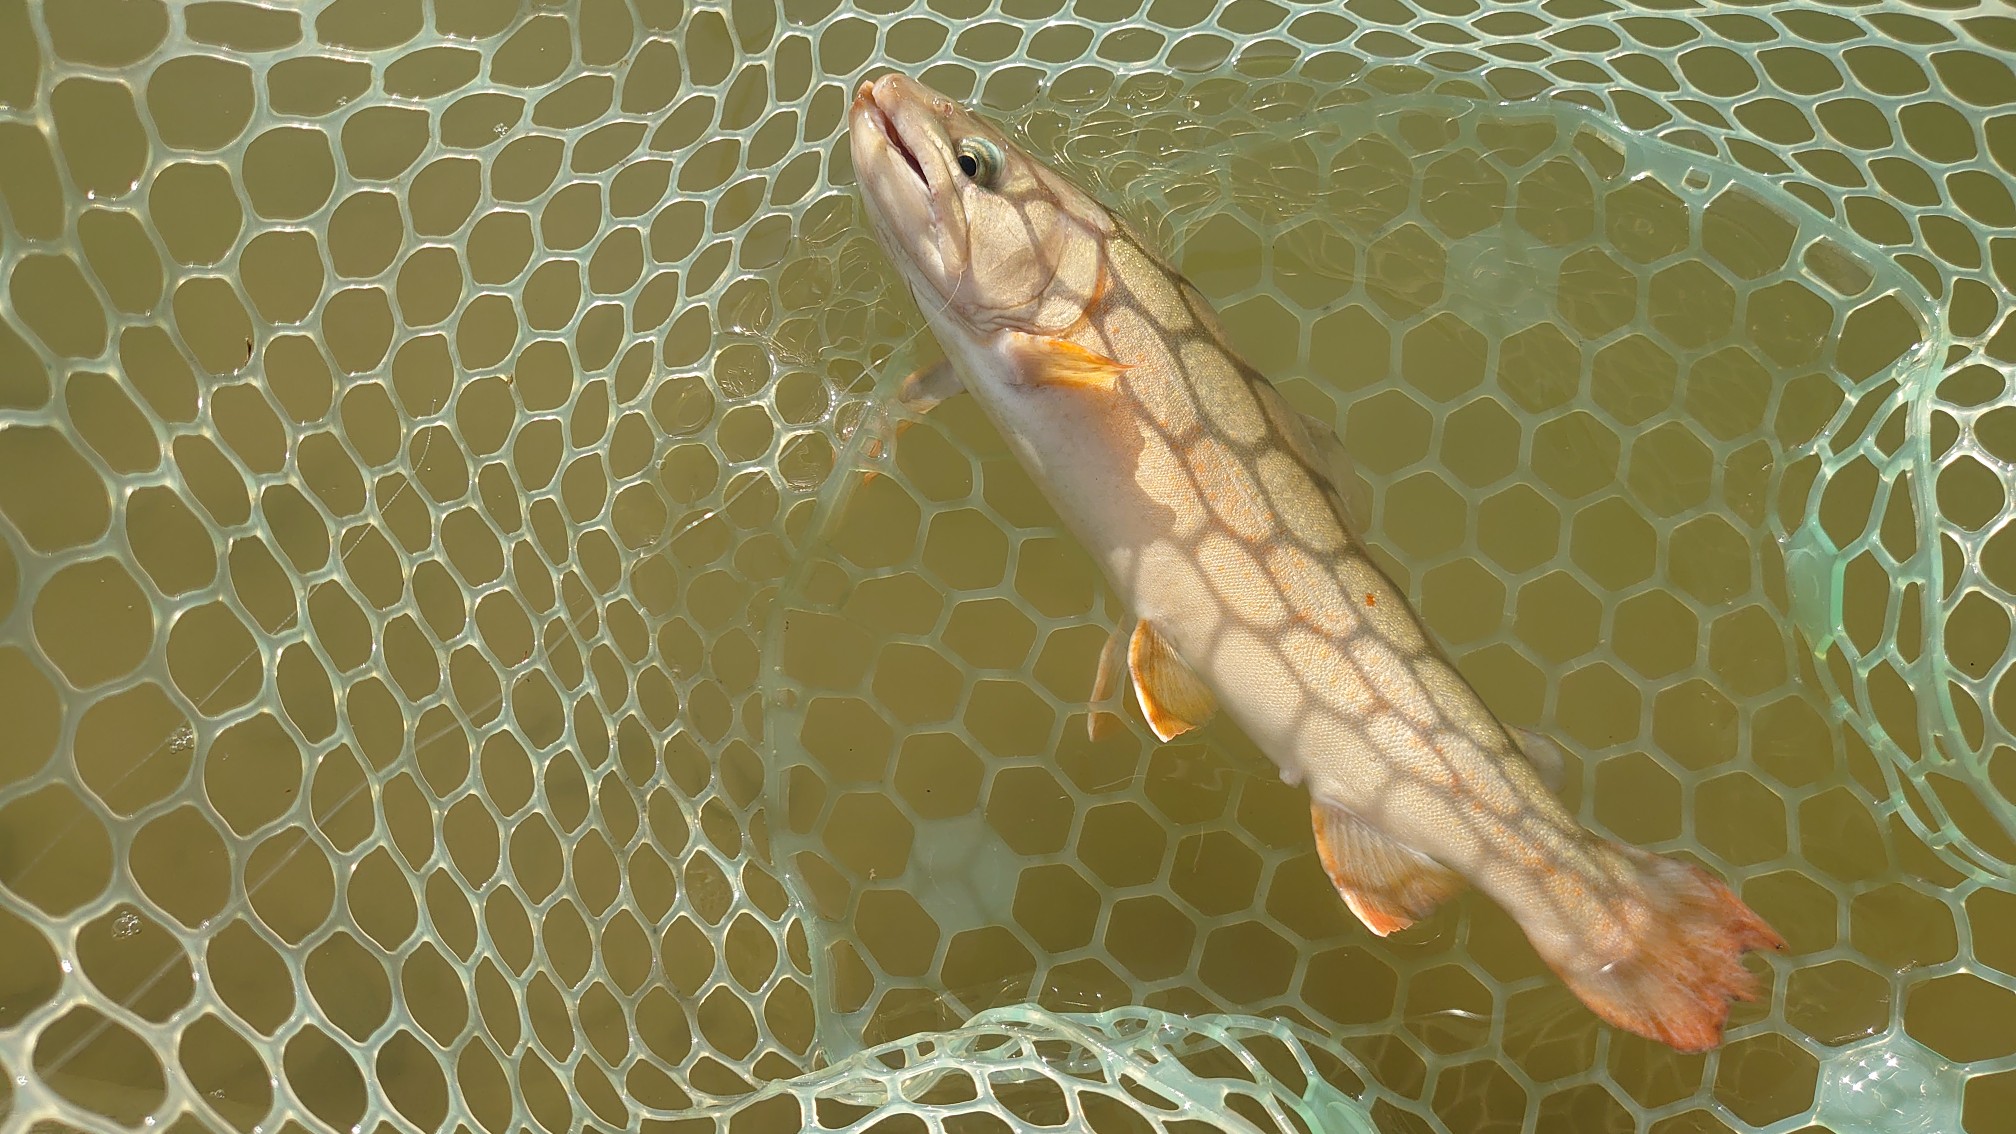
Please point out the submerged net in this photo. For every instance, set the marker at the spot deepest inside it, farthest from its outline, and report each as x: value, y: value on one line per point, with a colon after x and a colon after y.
x: 456, y: 671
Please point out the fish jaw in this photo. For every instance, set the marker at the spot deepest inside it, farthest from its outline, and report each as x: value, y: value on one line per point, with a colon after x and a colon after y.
x: 904, y: 170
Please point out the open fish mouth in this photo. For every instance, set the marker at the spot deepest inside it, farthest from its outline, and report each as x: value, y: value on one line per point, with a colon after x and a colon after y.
x: 864, y: 98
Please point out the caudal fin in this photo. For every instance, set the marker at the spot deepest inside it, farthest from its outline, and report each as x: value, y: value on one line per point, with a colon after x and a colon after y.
x: 1675, y: 985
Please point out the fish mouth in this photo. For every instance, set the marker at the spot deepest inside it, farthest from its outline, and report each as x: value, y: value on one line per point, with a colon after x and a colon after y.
x: 885, y: 125
x: 911, y: 200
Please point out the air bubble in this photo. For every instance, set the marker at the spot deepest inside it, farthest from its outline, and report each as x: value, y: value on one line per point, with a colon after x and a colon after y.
x: 1891, y: 1084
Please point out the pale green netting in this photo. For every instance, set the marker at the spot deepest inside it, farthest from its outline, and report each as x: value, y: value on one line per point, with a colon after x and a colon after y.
x: 454, y: 674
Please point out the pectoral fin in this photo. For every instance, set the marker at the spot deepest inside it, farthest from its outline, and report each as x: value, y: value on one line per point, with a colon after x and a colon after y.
x: 926, y: 386
x: 920, y: 392
x: 1047, y: 361
x: 1102, y: 720
x: 1173, y: 698
x: 1387, y: 885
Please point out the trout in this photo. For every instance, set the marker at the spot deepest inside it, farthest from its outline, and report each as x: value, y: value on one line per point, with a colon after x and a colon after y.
x: 1214, y: 510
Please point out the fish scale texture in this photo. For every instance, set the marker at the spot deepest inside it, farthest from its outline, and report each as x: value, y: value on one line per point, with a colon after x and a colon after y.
x: 457, y: 672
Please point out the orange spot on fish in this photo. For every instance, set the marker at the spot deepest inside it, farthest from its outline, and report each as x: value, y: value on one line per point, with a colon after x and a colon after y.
x: 1371, y: 600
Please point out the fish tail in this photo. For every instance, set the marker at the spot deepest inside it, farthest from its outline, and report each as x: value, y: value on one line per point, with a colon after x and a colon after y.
x: 1684, y: 965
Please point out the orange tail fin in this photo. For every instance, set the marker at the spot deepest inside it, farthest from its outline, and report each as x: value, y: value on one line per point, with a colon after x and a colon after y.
x: 1676, y: 985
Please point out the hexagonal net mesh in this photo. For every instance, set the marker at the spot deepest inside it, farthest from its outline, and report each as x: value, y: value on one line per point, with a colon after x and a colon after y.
x: 458, y: 672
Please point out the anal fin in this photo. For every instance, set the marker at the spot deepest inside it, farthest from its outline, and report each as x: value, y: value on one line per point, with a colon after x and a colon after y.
x: 1387, y: 885
x: 1173, y: 698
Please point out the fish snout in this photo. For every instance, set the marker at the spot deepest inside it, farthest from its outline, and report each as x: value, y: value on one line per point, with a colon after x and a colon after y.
x: 886, y: 91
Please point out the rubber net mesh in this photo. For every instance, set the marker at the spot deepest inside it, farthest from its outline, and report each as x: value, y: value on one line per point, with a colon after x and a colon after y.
x: 476, y: 653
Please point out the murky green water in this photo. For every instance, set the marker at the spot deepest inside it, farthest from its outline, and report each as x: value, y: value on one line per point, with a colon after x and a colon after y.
x: 459, y: 671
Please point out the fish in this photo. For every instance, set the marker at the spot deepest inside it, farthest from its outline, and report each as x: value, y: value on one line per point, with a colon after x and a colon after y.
x: 1219, y: 516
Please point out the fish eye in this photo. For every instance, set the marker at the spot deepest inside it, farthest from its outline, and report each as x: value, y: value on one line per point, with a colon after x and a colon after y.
x: 980, y: 160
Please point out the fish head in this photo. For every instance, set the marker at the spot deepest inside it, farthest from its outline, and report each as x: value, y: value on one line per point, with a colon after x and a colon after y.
x: 989, y: 239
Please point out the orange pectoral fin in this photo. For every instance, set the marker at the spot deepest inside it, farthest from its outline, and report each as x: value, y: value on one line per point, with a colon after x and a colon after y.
x: 1059, y: 362
x: 1388, y: 886
x: 1173, y: 698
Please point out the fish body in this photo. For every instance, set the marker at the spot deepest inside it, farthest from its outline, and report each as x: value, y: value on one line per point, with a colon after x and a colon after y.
x: 1215, y: 511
